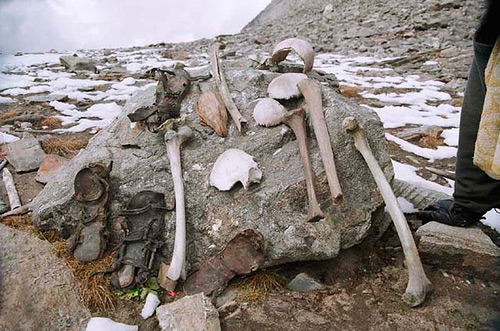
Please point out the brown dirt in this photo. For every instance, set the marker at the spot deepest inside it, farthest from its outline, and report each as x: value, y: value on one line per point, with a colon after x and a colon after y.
x: 364, y: 291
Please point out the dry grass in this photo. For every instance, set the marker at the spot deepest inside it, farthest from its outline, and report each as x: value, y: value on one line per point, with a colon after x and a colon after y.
x: 94, y: 291
x: 431, y: 142
x: 20, y: 222
x: 258, y: 285
x: 9, y: 114
x: 350, y: 92
x: 62, y: 146
x: 51, y: 122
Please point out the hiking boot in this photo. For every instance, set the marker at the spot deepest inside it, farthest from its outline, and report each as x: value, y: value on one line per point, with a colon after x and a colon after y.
x: 449, y: 213
x: 145, y: 215
x: 92, y: 191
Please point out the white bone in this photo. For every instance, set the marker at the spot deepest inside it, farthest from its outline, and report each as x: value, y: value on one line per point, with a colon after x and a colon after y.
x: 10, y: 187
x: 285, y: 86
x: 173, y: 141
x: 418, y: 285
x: 311, y: 90
x: 301, y: 47
x: 232, y: 166
x: 269, y: 112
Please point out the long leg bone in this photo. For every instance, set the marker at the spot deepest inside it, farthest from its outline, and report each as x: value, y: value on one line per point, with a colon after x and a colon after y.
x: 10, y: 187
x: 311, y: 90
x: 296, y: 120
x: 418, y: 284
x: 221, y: 83
x: 270, y: 112
x: 173, y: 141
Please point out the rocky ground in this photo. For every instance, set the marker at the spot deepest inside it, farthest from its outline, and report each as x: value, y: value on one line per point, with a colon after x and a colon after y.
x: 406, y: 61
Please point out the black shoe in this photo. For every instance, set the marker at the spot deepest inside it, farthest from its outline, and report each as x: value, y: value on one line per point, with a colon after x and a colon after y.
x: 449, y: 213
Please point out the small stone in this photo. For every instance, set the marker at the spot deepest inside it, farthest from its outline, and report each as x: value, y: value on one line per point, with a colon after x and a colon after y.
x: 454, y: 247
x: 49, y: 165
x: 46, y: 98
x: 194, y: 312
x: 25, y: 154
x: 304, y: 283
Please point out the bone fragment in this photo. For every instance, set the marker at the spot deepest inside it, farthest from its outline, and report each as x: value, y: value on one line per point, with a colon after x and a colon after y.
x: 221, y: 83
x: 10, y: 187
x: 233, y: 166
x: 270, y: 112
x: 285, y: 86
x: 311, y: 90
x: 212, y: 113
x: 418, y: 285
x: 301, y: 47
x: 173, y: 141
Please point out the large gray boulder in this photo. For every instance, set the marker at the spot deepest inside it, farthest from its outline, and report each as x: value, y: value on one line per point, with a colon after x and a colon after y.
x: 37, y: 289
x: 76, y: 63
x: 277, y: 207
x: 470, y: 249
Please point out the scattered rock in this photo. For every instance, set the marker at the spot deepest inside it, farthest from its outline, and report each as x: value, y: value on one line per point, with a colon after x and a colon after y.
x: 466, y: 248
x: 46, y: 98
x: 304, y: 283
x: 37, y: 290
x: 49, y: 165
x: 432, y: 131
x: 25, y: 155
x: 194, y: 312
x: 75, y: 64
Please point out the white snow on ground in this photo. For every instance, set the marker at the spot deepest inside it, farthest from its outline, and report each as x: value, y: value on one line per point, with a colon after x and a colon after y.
x: 6, y: 100
x: 406, y: 206
x: 492, y: 219
x: 450, y: 136
x: 13, y: 63
x: 106, y: 324
x: 442, y: 152
x: 408, y: 173
x: 9, y: 81
x: 106, y: 112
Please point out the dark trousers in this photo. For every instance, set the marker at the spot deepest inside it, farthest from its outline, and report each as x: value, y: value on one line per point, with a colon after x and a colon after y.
x: 474, y: 189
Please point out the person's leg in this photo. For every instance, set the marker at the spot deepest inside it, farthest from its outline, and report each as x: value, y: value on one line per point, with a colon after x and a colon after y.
x: 475, y: 191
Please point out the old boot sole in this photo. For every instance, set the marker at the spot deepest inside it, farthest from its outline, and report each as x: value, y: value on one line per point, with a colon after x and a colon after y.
x: 242, y: 255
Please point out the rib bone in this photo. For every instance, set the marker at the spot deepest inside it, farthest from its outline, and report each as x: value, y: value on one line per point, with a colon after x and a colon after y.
x: 173, y: 141
x: 311, y: 90
x: 221, y: 83
x: 270, y: 112
x: 418, y: 284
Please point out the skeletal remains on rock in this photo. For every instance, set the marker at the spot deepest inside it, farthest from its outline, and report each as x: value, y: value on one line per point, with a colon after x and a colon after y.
x: 233, y: 166
x: 418, y: 284
x: 303, y: 49
x: 311, y: 90
x: 285, y: 86
x: 269, y: 112
x: 173, y: 141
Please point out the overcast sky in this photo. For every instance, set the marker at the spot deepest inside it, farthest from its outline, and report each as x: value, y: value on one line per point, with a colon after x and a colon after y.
x: 38, y: 25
